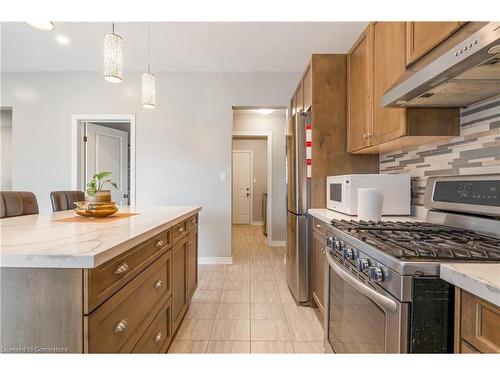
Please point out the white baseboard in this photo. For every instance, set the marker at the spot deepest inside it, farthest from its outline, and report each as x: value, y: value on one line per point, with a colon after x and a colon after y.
x: 278, y: 243
x: 257, y: 223
x: 215, y: 260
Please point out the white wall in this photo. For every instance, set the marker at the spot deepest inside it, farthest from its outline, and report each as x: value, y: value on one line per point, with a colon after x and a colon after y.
x: 183, y: 145
x: 259, y: 171
x: 274, y: 122
x: 6, y: 149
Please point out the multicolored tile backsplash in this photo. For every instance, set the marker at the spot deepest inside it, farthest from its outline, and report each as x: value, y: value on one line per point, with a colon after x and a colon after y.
x: 475, y: 151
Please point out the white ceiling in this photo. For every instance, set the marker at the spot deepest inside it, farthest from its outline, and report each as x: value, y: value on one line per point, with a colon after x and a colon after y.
x: 181, y: 46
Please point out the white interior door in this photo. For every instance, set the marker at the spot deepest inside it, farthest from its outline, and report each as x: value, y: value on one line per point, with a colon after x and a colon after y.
x: 106, y: 150
x: 242, y: 195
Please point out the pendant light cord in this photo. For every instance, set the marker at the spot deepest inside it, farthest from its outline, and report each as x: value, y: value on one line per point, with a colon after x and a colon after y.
x: 149, y: 48
x: 113, y: 27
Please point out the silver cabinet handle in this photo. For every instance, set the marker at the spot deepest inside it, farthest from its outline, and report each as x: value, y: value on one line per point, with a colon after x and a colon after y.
x: 158, y: 338
x: 323, y: 251
x: 121, y: 268
x: 318, y: 225
x: 160, y: 243
x: 181, y: 229
x: 365, y: 136
x: 193, y: 221
x: 158, y: 284
x: 120, y: 327
x: 369, y: 135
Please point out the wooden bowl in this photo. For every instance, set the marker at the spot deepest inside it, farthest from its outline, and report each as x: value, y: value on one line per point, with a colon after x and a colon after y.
x: 90, y: 209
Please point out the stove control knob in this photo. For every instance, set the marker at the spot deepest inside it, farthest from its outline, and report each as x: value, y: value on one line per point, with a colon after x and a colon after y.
x: 348, y: 253
x: 363, y: 264
x: 375, y: 274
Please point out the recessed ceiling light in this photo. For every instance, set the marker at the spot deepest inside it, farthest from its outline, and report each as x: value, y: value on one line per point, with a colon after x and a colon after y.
x: 62, y: 39
x: 42, y: 25
x: 264, y: 111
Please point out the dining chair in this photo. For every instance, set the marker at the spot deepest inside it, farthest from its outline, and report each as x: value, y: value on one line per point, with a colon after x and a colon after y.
x: 17, y: 203
x: 64, y: 200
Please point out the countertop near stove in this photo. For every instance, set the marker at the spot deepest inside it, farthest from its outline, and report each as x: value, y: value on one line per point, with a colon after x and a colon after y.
x: 480, y: 279
x: 327, y: 216
x: 42, y: 241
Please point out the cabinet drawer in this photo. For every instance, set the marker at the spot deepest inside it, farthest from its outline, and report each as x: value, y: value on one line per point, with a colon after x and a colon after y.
x: 192, y: 222
x: 157, y: 337
x: 180, y: 230
x: 118, y: 320
x: 480, y: 323
x: 320, y: 226
x: 106, y: 279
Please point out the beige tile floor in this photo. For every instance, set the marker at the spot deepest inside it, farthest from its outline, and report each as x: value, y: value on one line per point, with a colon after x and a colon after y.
x: 246, y: 307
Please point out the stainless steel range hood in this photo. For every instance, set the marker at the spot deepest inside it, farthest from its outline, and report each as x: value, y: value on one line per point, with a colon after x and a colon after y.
x: 464, y: 75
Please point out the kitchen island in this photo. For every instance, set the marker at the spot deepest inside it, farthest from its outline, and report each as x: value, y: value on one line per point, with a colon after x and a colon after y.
x: 477, y: 306
x: 105, y: 285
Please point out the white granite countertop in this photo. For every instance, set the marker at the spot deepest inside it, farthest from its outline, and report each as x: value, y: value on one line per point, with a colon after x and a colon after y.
x: 480, y: 279
x: 327, y: 215
x: 40, y: 242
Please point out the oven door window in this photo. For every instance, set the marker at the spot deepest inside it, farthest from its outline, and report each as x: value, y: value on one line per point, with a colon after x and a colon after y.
x: 356, y: 324
x: 336, y: 192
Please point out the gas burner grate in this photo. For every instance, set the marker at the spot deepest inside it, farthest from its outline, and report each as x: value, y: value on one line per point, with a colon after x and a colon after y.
x: 420, y: 240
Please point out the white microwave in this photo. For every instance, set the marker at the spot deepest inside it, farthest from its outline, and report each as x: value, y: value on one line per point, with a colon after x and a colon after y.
x: 342, y: 192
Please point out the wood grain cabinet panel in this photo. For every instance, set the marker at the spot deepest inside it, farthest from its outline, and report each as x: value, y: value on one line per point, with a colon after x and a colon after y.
x: 388, y: 66
x: 360, y: 91
x: 192, y: 262
x: 375, y: 63
x: 318, y: 268
x: 179, y: 230
x: 179, y: 281
x: 307, y: 84
x: 479, y: 323
x: 422, y: 37
x: 158, y: 336
x: 114, y: 324
x: 106, y: 279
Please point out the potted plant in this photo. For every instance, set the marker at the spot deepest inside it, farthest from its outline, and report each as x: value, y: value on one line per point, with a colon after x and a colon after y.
x: 95, y: 192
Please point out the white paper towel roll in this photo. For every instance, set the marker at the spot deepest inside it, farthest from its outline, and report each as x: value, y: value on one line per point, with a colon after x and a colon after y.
x: 370, y: 204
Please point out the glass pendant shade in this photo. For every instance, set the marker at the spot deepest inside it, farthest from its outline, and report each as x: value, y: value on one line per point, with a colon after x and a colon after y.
x: 148, y: 90
x: 113, y: 58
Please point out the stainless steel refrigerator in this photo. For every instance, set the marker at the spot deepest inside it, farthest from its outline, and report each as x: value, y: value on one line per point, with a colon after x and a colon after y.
x: 298, y: 202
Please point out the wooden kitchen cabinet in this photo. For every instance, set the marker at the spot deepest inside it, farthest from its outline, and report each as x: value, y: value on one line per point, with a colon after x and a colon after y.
x: 299, y: 98
x: 477, y: 324
x: 359, y: 91
x: 307, y: 89
x: 318, y: 267
x: 375, y: 63
x: 179, y: 281
x: 192, y: 262
x: 422, y: 37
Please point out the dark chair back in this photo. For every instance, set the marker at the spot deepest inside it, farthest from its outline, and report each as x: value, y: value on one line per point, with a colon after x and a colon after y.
x: 63, y: 200
x: 17, y: 203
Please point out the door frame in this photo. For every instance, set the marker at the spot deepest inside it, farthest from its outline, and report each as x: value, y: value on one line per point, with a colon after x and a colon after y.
x: 268, y: 135
x: 77, y: 121
x: 250, y: 219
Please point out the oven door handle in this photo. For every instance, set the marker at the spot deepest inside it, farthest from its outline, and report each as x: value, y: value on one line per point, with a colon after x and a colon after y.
x: 383, y: 301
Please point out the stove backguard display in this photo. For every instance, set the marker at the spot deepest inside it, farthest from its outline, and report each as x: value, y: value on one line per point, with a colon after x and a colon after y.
x: 481, y: 192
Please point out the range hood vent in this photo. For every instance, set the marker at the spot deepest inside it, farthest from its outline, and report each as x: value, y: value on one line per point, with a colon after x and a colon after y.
x: 467, y: 74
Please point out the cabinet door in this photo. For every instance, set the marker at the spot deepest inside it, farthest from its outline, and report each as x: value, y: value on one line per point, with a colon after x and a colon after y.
x: 192, y: 266
x: 318, y: 277
x: 421, y: 37
x: 388, y: 66
x: 299, y: 98
x: 359, y: 92
x: 307, y: 83
x: 179, y: 282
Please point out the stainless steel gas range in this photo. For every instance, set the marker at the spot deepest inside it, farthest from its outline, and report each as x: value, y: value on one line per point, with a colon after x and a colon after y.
x: 383, y: 292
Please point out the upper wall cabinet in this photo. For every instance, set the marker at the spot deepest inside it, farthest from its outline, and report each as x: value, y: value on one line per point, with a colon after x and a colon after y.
x: 359, y: 91
x: 422, y: 37
x: 375, y: 62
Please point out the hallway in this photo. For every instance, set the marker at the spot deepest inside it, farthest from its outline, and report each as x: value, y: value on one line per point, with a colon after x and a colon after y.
x: 246, y: 307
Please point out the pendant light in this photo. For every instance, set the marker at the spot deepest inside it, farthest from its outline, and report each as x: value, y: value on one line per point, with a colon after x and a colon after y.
x: 148, y: 83
x: 42, y: 25
x: 113, y: 57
